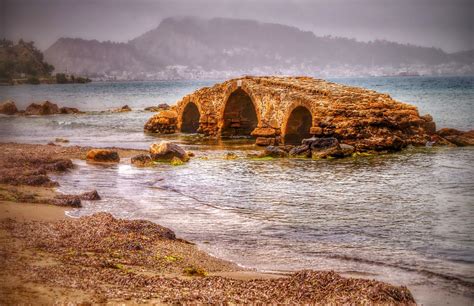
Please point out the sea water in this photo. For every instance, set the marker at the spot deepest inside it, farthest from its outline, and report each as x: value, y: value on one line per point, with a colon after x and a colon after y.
x: 406, y: 218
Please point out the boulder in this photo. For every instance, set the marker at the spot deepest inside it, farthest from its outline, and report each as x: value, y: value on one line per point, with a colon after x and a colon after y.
x: 45, y: 108
x: 165, y: 151
x: 274, y: 151
x: 303, y: 150
x: 8, y: 108
x: 103, y: 156
x: 142, y: 160
x: 122, y: 109
x: 67, y: 200
x: 90, y: 196
x: 316, y: 143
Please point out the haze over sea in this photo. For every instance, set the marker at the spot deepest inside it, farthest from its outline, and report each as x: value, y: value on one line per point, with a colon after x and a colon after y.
x: 406, y: 218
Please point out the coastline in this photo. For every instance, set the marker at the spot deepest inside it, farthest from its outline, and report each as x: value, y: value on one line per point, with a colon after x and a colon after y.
x: 65, y: 267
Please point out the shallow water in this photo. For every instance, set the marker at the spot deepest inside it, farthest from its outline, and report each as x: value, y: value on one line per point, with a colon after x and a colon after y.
x: 406, y: 218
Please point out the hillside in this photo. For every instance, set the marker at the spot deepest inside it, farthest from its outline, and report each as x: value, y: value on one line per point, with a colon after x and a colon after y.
x: 186, y: 47
x: 22, y: 60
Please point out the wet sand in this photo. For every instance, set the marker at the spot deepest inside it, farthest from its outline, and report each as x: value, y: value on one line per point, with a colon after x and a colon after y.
x: 47, y: 257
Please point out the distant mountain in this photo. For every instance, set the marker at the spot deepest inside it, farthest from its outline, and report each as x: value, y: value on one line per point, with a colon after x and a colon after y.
x: 183, y: 47
x: 92, y: 58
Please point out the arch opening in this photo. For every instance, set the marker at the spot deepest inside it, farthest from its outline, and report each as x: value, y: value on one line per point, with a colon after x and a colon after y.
x: 240, y: 116
x: 298, y: 126
x: 190, y: 120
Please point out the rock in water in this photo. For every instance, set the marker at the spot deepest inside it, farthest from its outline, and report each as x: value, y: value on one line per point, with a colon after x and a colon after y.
x: 67, y: 200
x: 274, y: 151
x: 160, y: 107
x: 46, y: 108
x: 90, y: 196
x: 453, y: 136
x: 63, y: 140
x: 142, y: 160
x: 123, y: 109
x: 69, y: 110
x: 8, y: 108
x: 230, y: 155
x: 165, y: 151
x: 103, y: 155
x: 303, y: 150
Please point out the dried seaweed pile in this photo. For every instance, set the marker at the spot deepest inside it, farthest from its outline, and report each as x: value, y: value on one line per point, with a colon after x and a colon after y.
x: 118, y: 260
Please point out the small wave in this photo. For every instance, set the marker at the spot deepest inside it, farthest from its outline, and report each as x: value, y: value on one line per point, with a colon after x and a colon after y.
x: 426, y: 272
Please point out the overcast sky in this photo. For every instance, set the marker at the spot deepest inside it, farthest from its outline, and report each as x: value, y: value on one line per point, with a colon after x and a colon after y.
x: 447, y: 24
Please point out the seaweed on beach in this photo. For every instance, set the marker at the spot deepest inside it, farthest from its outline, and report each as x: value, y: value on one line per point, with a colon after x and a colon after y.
x: 117, y: 260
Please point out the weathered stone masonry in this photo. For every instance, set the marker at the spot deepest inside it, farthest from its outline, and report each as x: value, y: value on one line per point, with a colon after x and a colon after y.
x: 282, y: 110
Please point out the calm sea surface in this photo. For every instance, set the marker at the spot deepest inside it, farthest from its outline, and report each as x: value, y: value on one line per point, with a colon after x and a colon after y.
x: 407, y: 218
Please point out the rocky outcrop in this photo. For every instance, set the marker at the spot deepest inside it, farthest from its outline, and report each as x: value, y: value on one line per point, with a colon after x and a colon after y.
x: 8, y: 108
x: 165, y: 122
x: 45, y: 108
x: 166, y: 151
x: 452, y: 136
x: 103, y: 156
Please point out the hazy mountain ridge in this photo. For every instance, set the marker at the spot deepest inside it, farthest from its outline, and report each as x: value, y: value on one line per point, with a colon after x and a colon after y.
x: 187, y: 47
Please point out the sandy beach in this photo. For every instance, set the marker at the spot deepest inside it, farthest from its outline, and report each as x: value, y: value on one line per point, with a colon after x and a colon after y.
x: 50, y: 258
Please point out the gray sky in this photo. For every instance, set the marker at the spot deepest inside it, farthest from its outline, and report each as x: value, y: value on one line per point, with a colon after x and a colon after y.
x: 447, y: 24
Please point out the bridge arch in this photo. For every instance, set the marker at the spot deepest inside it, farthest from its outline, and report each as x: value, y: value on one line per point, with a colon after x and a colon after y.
x: 297, y: 124
x: 190, y: 118
x: 240, y: 114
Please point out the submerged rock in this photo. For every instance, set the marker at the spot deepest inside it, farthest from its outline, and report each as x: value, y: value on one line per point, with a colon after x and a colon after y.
x: 166, y: 151
x: 103, y: 155
x: 8, y: 108
x: 142, y: 160
x: 45, y: 108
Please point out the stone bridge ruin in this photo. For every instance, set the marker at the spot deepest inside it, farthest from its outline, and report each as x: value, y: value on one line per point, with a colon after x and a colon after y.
x: 285, y: 110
